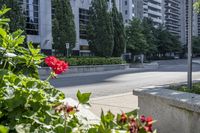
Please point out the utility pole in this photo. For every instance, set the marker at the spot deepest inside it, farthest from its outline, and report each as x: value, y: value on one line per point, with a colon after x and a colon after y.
x: 190, y: 14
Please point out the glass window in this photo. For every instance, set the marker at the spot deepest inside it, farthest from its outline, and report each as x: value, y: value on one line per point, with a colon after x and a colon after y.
x: 83, y: 21
x: 32, y: 16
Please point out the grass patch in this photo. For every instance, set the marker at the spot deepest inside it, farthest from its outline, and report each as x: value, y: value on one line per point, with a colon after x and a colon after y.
x: 195, y: 88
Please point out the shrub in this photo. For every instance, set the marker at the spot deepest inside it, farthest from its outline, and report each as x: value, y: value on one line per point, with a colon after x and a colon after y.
x: 80, y: 61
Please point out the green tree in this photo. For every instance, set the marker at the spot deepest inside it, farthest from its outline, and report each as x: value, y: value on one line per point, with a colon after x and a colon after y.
x: 16, y: 15
x: 136, y: 41
x: 148, y: 31
x: 100, y: 29
x: 166, y: 42
x: 196, y: 45
x: 63, y: 26
x: 119, y: 31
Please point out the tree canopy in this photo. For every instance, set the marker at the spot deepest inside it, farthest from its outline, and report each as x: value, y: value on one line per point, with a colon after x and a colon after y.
x: 16, y: 15
x: 100, y: 29
x: 136, y: 41
x: 119, y: 32
x: 63, y: 26
x: 196, y: 45
x: 144, y: 38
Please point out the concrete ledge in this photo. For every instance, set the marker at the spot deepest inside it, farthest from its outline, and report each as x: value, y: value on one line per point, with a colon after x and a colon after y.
x: 175, y: 112
x: 45, y: 71
x: 152, y: 65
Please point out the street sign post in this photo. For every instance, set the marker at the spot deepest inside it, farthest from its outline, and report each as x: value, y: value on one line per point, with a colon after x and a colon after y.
x: 67, y: 47
x: 190, y: 14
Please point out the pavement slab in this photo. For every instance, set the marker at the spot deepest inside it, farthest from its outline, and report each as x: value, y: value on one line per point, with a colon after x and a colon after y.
x: 116, y: 103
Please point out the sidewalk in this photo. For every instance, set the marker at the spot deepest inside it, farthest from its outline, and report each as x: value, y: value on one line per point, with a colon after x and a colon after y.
x: 196, y: 61
x: 115, y: 103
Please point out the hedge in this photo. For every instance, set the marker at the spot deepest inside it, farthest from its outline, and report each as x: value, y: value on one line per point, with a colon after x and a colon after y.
x: 80, y: 61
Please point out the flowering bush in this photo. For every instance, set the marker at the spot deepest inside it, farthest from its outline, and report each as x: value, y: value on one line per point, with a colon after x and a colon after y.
x: 30, y: 105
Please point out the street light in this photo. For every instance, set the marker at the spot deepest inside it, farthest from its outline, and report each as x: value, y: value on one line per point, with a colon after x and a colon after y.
x: 190, y: 14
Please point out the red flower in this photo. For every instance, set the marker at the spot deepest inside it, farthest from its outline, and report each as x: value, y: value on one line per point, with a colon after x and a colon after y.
x: 149, y: 121
x: 51, y: 61
x: 142, y: 118
x: 148, y: 128
x: 69, y: 109
x: 60, y: 67
x: 123, y: 118
x: 57, y: 66
x: 133, y: 127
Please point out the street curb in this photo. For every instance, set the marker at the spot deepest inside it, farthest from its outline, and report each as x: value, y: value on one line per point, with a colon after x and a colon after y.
x: 196, y: 62
x: 112, y: 96
x: 104, y: 72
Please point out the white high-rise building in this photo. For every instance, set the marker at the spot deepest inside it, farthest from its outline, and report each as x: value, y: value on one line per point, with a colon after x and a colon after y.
x: 131, y: 9
x: 154, y: 9
x: 38, y: 23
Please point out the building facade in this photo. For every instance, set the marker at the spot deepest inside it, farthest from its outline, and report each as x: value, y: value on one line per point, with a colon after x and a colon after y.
x: 172, y: 13
x: 173, y: 16
x: 154, y: 9
x: 38, y: 23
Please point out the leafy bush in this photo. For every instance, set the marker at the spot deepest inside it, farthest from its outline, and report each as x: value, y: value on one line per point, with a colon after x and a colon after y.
x: 26, y: 102
x: 80, y: 61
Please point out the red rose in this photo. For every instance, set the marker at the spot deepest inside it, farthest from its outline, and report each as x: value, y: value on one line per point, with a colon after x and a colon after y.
x: 57, y: 66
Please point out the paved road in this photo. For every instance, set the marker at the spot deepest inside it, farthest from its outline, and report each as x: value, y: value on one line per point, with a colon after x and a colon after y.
x: 122, y: 82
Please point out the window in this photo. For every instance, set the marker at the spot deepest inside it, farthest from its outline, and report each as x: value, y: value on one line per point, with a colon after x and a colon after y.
x: 126, y: 3
x: 32, y: 16
x: 126, y: 12
x: 83, y: 21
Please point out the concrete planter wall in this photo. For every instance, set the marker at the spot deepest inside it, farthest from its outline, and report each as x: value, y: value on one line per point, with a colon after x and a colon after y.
x: 86, y: 69
x: 175, y: 112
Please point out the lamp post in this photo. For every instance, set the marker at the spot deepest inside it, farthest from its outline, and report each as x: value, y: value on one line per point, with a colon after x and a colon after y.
x: 190, y: 14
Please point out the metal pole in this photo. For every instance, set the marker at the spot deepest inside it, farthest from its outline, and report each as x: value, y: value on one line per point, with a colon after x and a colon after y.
x: 190, y: 14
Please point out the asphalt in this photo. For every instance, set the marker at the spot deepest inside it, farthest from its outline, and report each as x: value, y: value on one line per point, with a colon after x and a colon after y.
x: 113, y: 91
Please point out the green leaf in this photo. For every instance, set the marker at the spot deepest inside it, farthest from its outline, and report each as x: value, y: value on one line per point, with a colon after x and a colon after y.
x: 3, y: 72
x: 33, y: 50
x: 4, y: 11
x: 23, y: 128
x: 3, y: 33
x: 134, y: 113
x: 3, y: 129
x: 83, y: 98
x: 142, y: 130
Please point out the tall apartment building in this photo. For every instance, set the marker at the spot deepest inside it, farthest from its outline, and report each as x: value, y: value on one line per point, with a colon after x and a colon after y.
x: 173, y: 16
x: 176, y: 19
x: 131, y: 9
x: 38, y: 23
x: 154, y: 9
